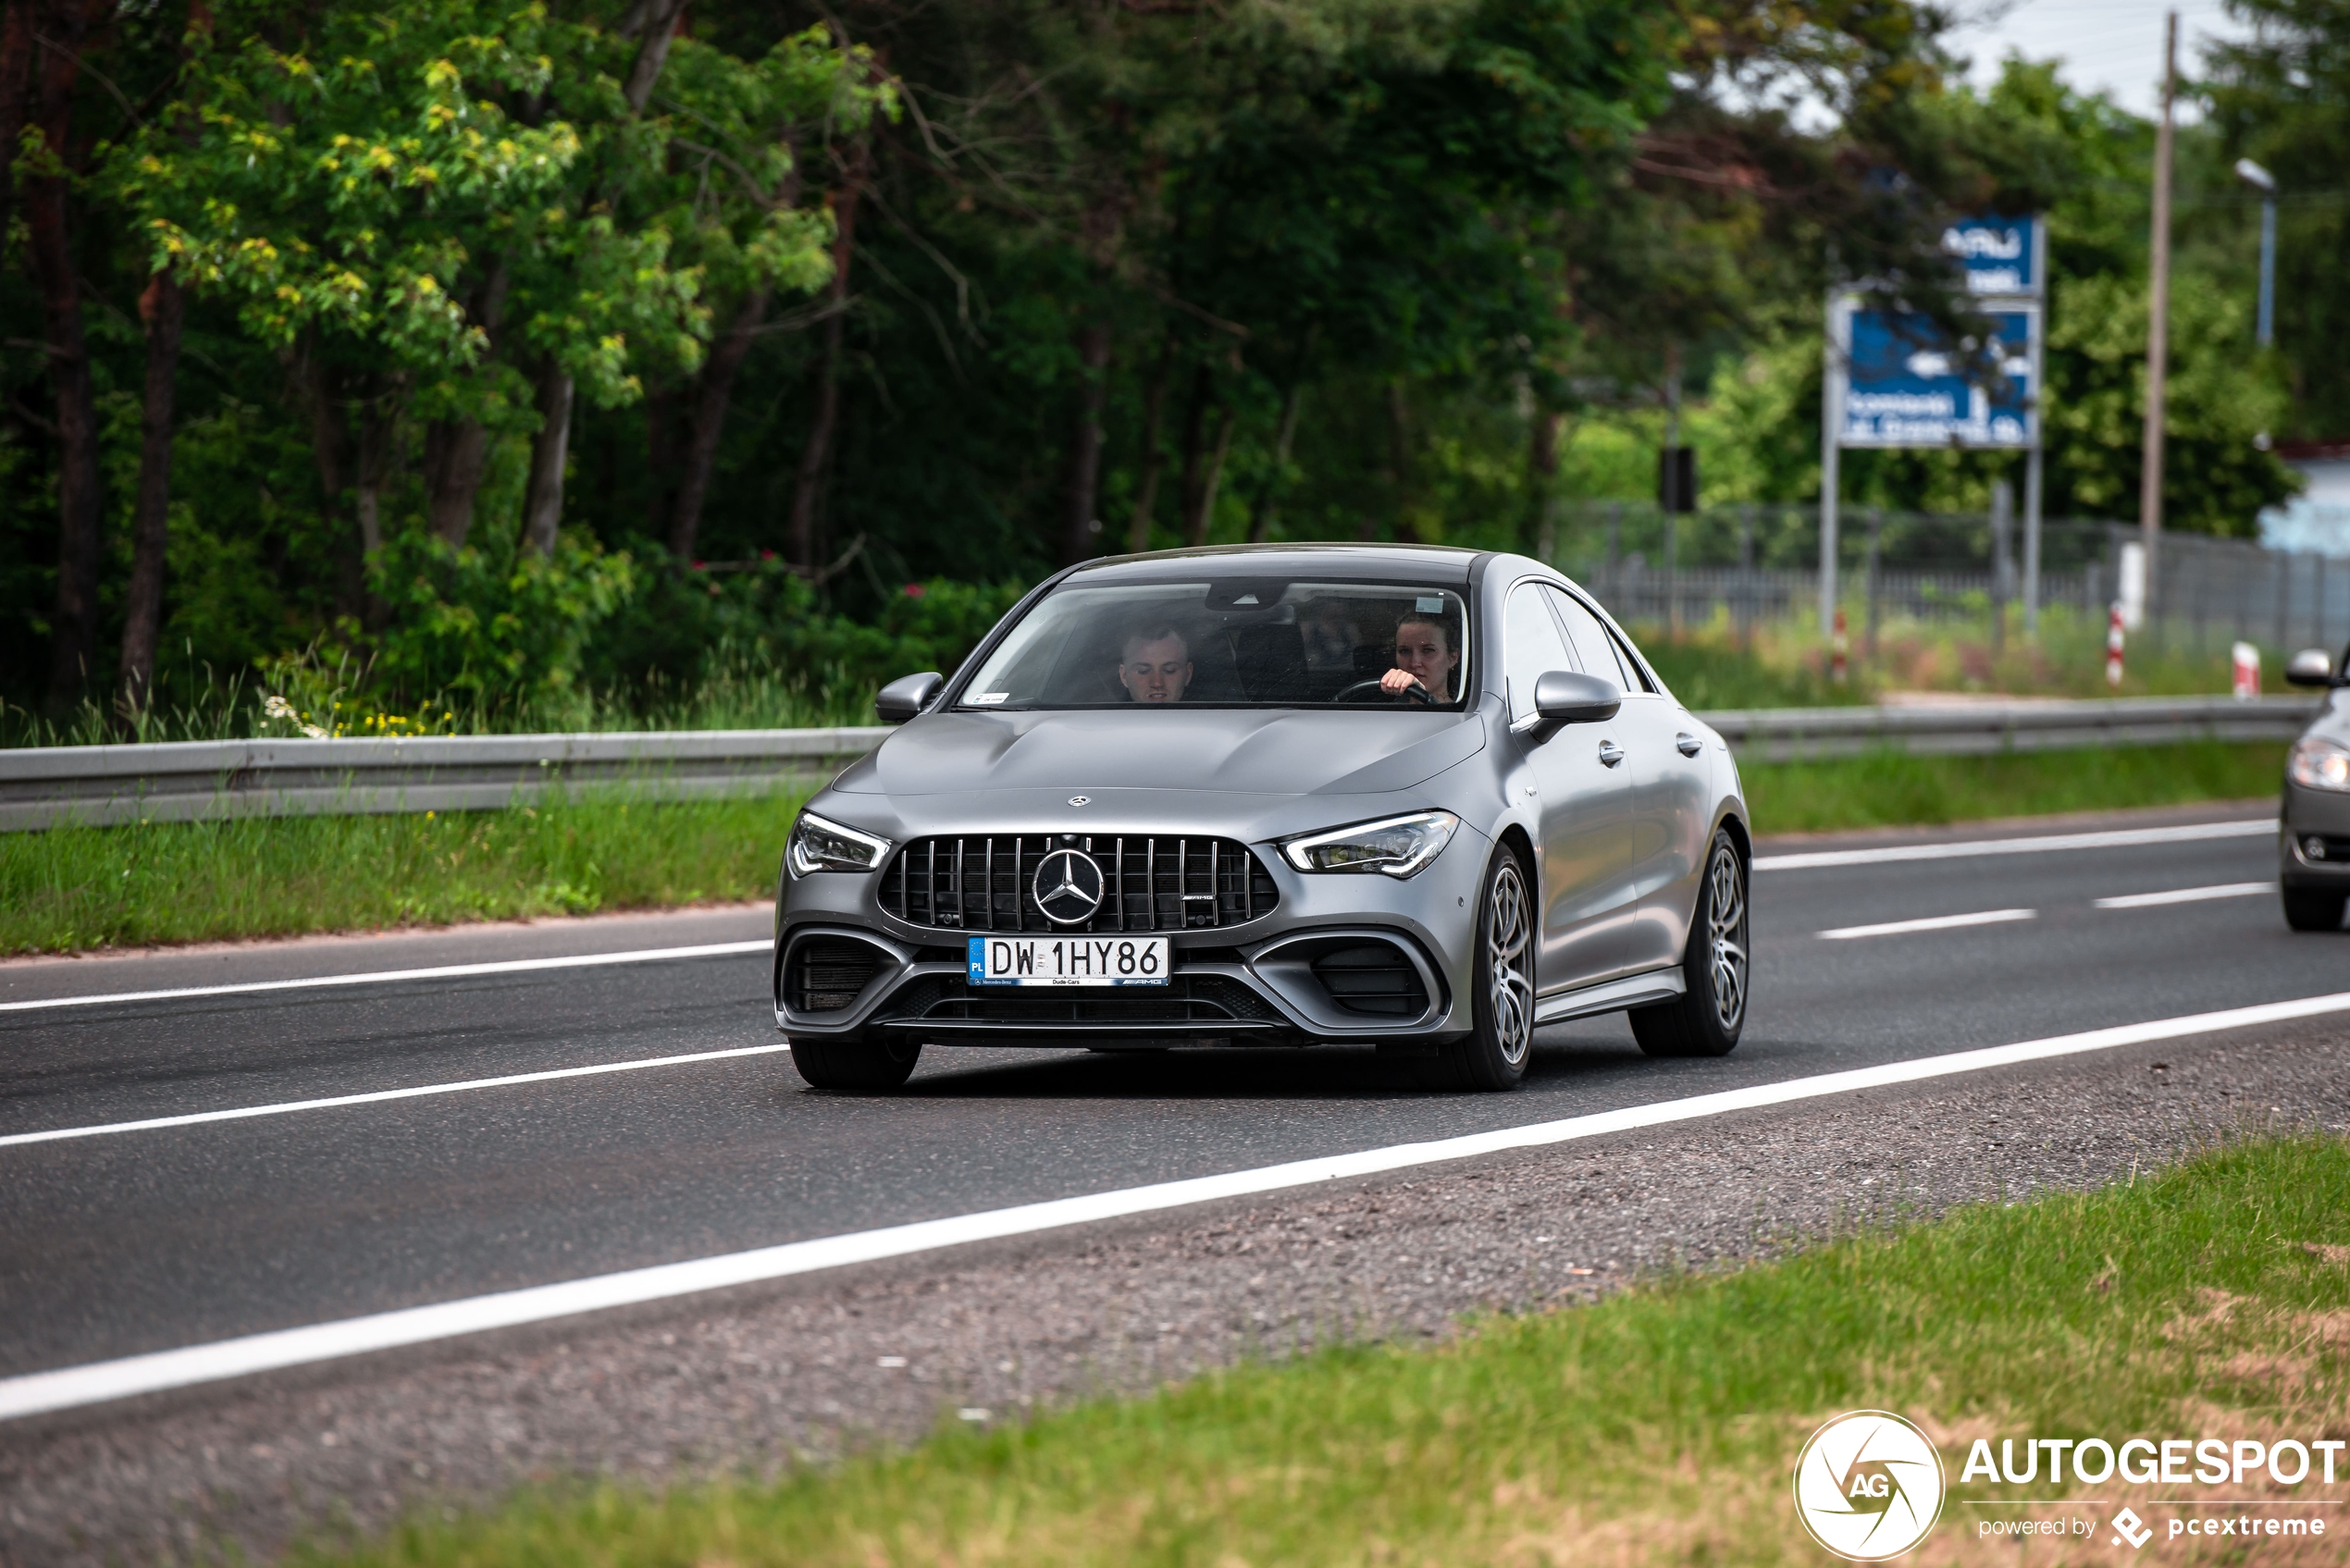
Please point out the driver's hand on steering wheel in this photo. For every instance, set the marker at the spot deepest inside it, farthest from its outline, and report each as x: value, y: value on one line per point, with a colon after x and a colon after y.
x: 1398, y: 680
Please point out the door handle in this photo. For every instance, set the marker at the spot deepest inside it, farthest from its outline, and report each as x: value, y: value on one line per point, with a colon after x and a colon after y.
x: 1688, y: 744
x: 1610, y: 753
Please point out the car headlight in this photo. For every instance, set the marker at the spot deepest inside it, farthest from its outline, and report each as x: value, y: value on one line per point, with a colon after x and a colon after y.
x: 1399, y: 846
x: 2320, y: 764
x: 821, y: 846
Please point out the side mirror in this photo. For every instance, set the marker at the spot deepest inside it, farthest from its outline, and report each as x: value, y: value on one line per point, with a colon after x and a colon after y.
x: 2310, y: 667
x: 906, y: 696
x: 1564, y: 698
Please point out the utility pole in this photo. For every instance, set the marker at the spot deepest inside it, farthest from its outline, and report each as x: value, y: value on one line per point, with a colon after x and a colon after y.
x: 2158, y: 320
x: 2260, y: 179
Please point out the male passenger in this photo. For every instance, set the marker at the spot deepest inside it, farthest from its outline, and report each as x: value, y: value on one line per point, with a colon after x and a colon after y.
x: 1156, y: 665
x: 1425, y: 657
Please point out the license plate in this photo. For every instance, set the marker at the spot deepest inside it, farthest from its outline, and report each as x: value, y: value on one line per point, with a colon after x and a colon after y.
x: 1068, y: 961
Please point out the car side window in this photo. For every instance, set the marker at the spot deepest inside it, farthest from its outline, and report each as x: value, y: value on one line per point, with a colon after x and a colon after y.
x: 1631, y: 662
x: 1531, y: 647
x: 1601, y: 656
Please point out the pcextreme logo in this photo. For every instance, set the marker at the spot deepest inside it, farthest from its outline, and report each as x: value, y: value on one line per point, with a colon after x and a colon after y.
x: 1868, y: 1486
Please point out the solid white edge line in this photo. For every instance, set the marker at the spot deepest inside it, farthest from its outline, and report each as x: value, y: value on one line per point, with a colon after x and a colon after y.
x: 286, y: 1108
x: 2117, y: 838
x: 443, y: 971
x: 2186, y: 894
x: 1932, y: 923
x: 71, y: 1385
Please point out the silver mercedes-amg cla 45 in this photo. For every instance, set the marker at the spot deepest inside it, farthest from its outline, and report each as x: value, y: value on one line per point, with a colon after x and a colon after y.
x: 1421, y: 798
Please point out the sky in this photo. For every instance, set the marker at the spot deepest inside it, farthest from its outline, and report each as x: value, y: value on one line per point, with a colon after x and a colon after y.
x: 2113, y: 46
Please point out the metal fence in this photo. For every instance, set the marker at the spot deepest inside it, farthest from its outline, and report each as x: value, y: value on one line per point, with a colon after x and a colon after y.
x: 1752, y: 563
x: 194, y: 780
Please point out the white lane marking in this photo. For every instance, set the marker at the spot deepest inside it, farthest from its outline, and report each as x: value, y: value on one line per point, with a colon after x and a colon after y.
x: 444, y: 971
x: 1937, y: 922
x: 286, y: 1108
x: 70, y: 1385
x: 2119, y: 838
x: 2187, y: 895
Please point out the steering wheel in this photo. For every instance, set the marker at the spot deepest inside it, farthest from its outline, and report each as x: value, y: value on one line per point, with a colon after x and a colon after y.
x: 1415, y: 692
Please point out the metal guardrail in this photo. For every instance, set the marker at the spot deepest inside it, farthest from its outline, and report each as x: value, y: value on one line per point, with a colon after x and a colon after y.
x: 1978, y: 729
x: 185, y: 781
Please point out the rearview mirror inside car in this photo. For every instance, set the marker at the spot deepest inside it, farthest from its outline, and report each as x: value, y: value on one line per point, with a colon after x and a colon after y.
x: 2310, y: 667
x: 906, y: 696
x: 1563, y: 697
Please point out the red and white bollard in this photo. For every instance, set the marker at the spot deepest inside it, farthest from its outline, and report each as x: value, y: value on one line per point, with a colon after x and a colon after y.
x: 1838, y: 646
x: 2113, y: 644
x: 2247, y: 681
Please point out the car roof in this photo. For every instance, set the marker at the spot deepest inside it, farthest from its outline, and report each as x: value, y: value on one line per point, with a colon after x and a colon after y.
x: 1405, y: 564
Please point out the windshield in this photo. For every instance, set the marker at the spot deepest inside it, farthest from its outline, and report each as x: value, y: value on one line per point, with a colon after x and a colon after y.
x: 1228, y: 644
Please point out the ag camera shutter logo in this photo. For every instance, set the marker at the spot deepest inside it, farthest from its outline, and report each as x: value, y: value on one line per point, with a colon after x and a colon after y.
x: 1868, y: 1486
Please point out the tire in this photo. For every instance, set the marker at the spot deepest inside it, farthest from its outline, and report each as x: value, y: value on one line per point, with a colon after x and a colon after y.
x: 856, y: 1067
x: 2313, y: 908
x: 1707, y: 1019
x: 1495, y: 1055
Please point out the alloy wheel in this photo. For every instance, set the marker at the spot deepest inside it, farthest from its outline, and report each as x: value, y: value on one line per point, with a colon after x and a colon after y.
x: 1725, y: 934
x: 1509, y: 953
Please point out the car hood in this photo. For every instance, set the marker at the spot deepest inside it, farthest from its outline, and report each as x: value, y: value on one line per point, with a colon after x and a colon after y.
x: 1238, y: 751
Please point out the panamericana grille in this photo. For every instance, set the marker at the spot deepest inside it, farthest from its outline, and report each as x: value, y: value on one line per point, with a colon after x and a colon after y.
x: 1186, y: 998
x: 1151, y: 882
x: 825, y: 974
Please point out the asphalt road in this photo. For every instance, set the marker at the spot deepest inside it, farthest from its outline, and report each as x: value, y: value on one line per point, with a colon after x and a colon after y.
x: 150, y: 1240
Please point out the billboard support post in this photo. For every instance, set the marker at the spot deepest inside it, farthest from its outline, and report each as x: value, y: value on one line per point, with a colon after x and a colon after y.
x: 2031, y: 543
x: 1831, y: 452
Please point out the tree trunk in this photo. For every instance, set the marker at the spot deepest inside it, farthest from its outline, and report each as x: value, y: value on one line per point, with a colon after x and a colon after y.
x: 142, y: 610
x: 457, y: 450
x: 16, y: 93
x: 1205, y: 518
x: 716, y: 393
x: 655, y: 25
x: 74, y: 621
x: 379, y: 425
x: 1399, y: 438
x: 659, y: 18
x: 1541, y: 475
x: 1260, y: 522
x: 1194, y: 473
x: 1078, y: 522
x: 812, y: 456
x: 1138, y: 529
x: 661, y: 455
x: 543, y: 513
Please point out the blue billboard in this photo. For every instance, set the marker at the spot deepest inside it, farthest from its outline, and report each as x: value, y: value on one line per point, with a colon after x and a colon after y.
x: 1903, y: 385
x: 2002, y: 256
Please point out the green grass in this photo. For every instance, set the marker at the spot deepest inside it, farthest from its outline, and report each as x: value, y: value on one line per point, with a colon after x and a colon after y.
x: 75, y: 888
x: 1892, y: 789
x: 1660, y: 1425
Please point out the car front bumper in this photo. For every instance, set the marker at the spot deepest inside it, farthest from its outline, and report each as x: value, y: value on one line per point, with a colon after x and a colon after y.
x: 2319, y: 815
x: 1290, y: 977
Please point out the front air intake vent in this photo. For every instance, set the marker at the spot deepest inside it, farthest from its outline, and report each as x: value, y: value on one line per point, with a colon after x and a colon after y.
x: 1149, y: 883
x: 1374, y: 980
x: 827, y: 974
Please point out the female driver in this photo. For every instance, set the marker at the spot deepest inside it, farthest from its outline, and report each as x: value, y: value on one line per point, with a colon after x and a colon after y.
x: 1425, y: 657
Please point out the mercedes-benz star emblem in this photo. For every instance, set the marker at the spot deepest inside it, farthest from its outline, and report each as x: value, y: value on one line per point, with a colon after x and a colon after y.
x: 1079, y: 799
x: 1068, y: 887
